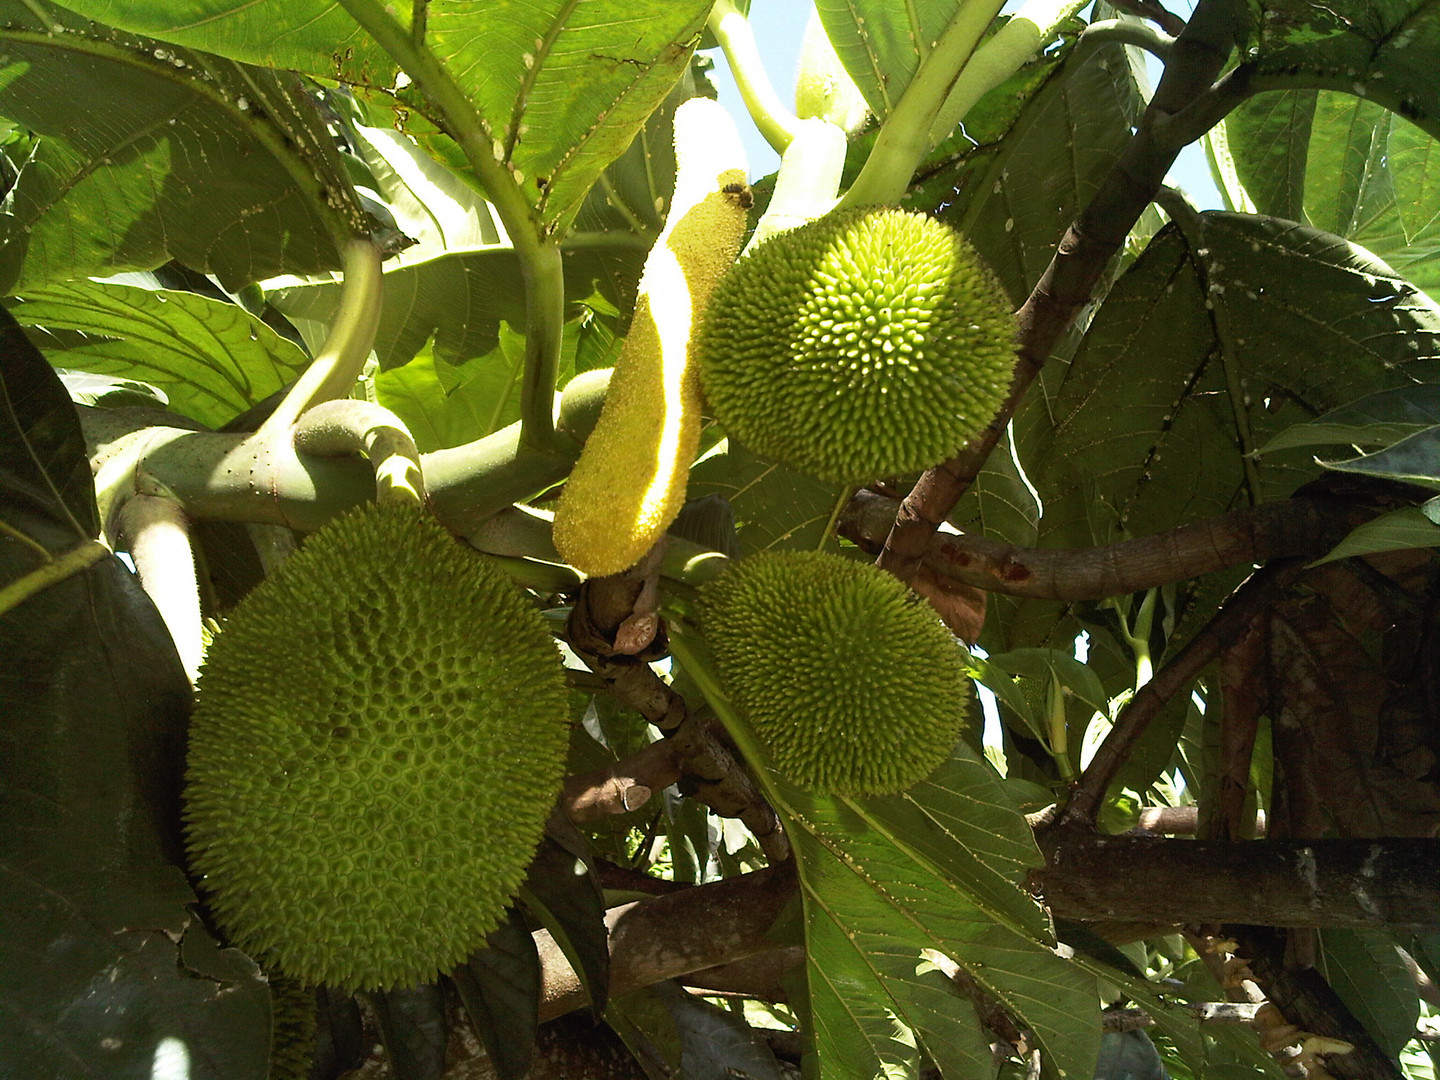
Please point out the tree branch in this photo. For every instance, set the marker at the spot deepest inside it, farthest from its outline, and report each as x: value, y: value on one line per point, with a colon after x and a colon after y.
x: 1383, y: 883
x: 689, y: 931
x: 1306, y: 999
x: 1301, y: 527
x: 1322, y: 883
x: 1253, y: 596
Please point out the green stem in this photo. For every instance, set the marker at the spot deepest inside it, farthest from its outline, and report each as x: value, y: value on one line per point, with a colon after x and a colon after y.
x: 1124, y: 32
x: 157, y: 535
x: 1059, y: 731
x: 20, y: 538
x: 338, y: 363
x: 1005, y: 53
x: 1144, y: 623
x: 544, y: 277
x: 58, y: 569
x: 337, y: 428
x: 732, y: 29
x: 539, y: 257
x: 904, y: 137
x: 846, y: 494
x: 808, y: 179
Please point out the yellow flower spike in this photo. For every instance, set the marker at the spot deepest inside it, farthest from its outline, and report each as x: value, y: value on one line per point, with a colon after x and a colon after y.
x: 630, y: 480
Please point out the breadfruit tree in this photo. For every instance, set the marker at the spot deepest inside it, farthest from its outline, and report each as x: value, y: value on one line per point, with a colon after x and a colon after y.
x: 491, y: 585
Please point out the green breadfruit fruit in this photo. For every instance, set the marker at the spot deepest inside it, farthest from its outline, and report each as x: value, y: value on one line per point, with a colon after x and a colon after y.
x: 380, y: 732
x: 868, y: 343
x: 292, y: 1029
x: 850, y: 681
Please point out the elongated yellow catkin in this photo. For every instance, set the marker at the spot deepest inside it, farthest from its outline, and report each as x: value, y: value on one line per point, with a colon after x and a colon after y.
x: 629, y: 483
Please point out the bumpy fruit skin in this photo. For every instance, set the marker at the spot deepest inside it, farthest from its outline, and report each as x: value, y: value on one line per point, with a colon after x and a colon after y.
x: 868, y: 343
x: 630, y: 481
x: 380, y: 731
x: 850, y: 681
x: 292, y: 1029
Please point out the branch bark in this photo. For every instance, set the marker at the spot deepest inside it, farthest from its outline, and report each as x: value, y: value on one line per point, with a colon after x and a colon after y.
x: 1326, y: 883
x: 1301, y: 527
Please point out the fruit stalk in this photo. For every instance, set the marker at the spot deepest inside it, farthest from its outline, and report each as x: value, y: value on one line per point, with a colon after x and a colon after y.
x: 337, y: 365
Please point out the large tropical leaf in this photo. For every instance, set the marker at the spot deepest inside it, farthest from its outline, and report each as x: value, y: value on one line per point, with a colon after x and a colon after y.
x: 1346, y: 165
x: 142, y: 157
x: 889, y: 881
x: 313, y: 36
x: 212, y: 359
x: 1216, y: 339
x: 104, y: 972
x: 1384, y: 50
x: 882, y: 42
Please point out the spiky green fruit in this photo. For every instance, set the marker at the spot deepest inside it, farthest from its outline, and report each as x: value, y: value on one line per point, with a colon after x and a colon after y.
x: 292, y: 1029
x: 868, y: 343
x: 380, y: 733
x: 850, y: 680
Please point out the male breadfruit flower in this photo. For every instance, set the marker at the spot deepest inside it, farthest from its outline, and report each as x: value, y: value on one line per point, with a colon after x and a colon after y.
x: 850, y: 681
x: 868, y: 343
x: 630, y: 480
x: 380, y: 732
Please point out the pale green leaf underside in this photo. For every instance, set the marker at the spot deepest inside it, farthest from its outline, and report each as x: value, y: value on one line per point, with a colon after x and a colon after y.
x: 1346, y: 165
x: 882, y: 42
x: 1149, y: 406
x: 140, y: 159
x: 936, y: 868
x: 212, y: 358
x: 317, y: 37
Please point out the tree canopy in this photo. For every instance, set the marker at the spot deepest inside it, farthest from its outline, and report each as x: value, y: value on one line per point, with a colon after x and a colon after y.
x: 264, y: 262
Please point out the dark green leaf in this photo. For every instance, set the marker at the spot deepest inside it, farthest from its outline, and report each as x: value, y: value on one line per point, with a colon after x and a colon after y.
x: 339, y: 1034
x: 211, y: 358
x: 773, y: 506
x: 93, y: 706
x: 1207, y: 346
x: 1014, y: 198
x: 1399, y: 530
x: 44, y: 473
x: 1128, y: 1055
x: 1384, y: 50
x: 500, y: 989
x: 415, y: 1029
x: 1320, y: 433
x: 141, y: 159
x: 1372, y: 980
x: 715, y: 1044
x: 1344, y: 164
x: 562, y: 894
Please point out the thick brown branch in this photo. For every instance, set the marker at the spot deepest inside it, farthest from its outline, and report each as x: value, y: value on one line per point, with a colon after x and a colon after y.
x: 1261, y: 588
x: 651, y: 940
x: 1322, y: 883
x: 1326, y: 883
x: 1080, y: 261
x: 1303, y: 527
